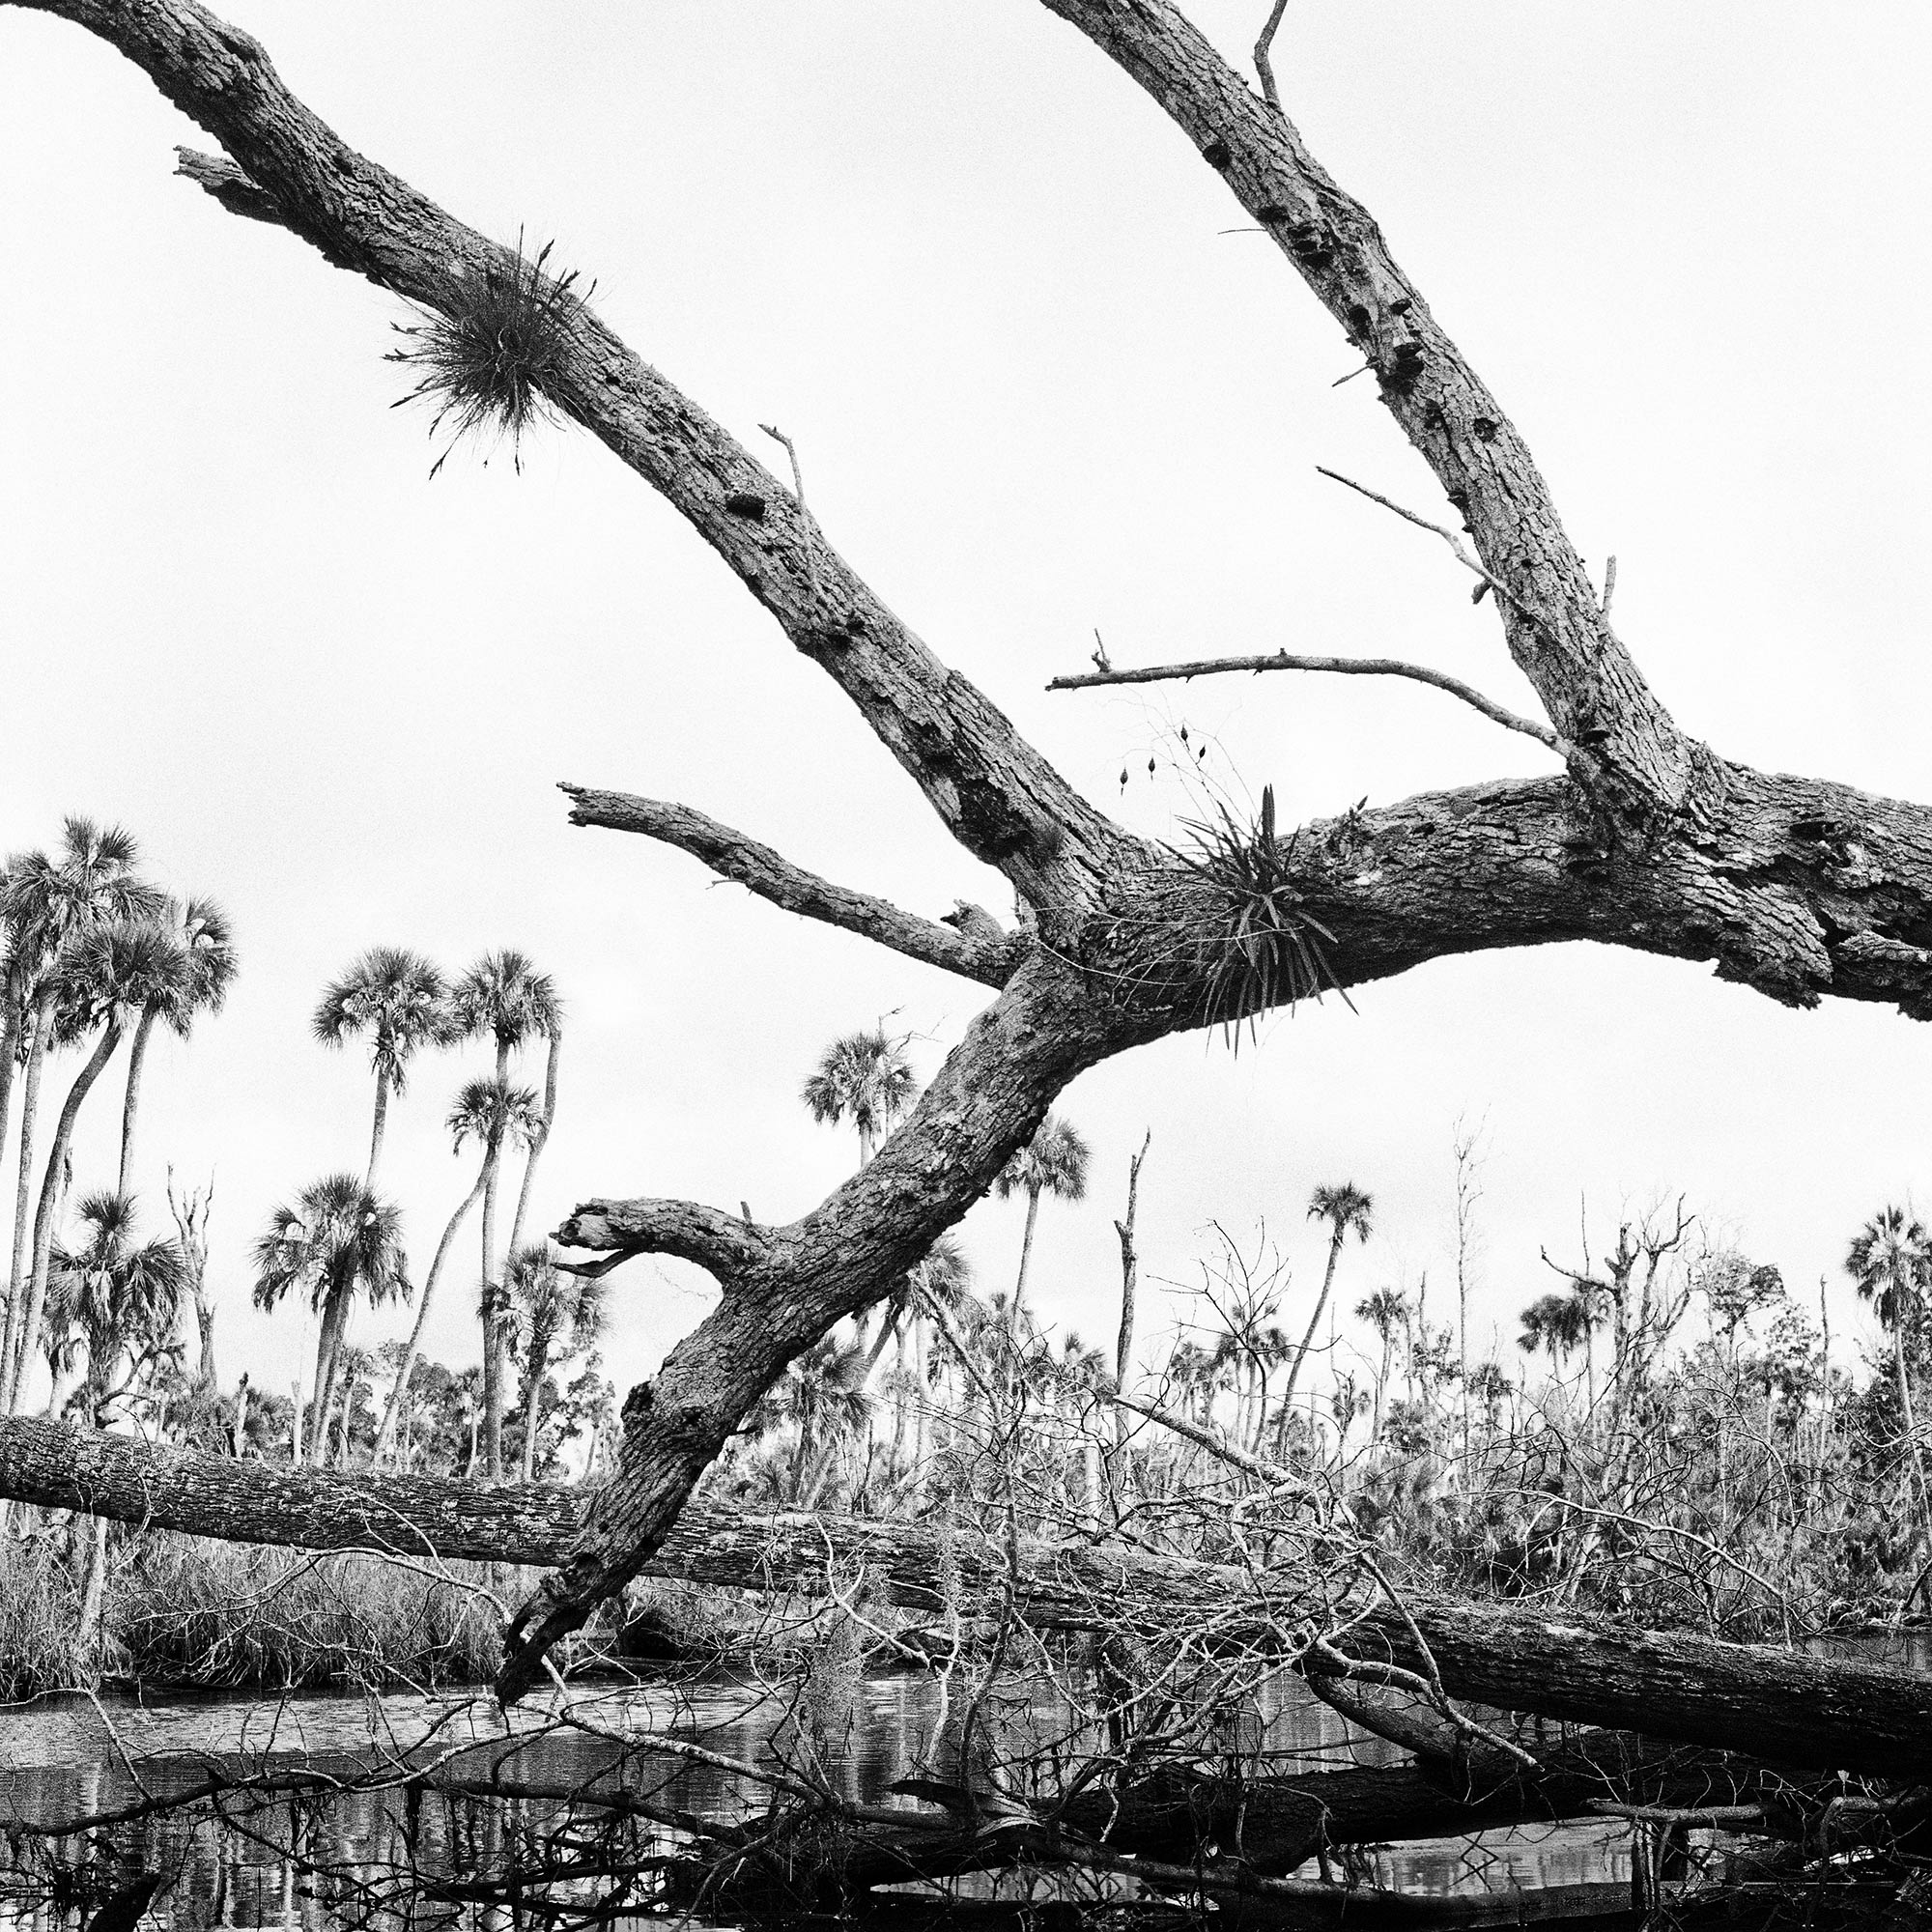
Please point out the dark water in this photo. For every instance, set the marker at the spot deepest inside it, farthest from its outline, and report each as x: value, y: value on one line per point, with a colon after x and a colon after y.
x: 363, y: 1856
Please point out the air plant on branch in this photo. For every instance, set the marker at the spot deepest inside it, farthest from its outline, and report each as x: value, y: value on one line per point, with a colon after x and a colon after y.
x: 1237, y: 933
x: 487, y: 360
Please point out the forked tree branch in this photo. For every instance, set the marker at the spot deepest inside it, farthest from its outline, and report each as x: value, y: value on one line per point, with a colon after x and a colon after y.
x: 988, y: 956
x: 1795, y: 886
x: 1590, y: 687
x: 1356, y: 667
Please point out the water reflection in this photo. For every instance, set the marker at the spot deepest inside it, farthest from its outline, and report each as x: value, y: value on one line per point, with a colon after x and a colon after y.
x: 402, y: 1857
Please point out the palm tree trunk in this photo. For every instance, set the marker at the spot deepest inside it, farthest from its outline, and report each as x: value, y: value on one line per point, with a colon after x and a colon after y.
x: 29, y: 1337
x: 538, y: 1140
x: 30, y: 1107
x: 1911, y: 1425
x: 9, y: 1043
x: 94, y: 1586
x: 1314, y: 1321
x: 534, y: 1371
x: 334, y: 1313
x: 137, y: 1055
x: 379, y: 1126
x: 492, y: 1354
x: 399, y: 1392
x: 1026, y: 1253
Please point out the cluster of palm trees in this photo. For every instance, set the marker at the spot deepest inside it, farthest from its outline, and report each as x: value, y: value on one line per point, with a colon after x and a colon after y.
x: 93, y: 955
x: 340, y: 1240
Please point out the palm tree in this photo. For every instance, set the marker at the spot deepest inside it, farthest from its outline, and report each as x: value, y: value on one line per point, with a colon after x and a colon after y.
x: 337, y: 1239
x: 110, y: 1302
x: 398, y: 999
x: 1557, y: 1323
x: 493, y: 1112
x: 1348, y: 1211
x: 503, y: 995
x: 45, y: 903
x: 941, y: 1280
x: 106, y: 974
x: 1890, y: 1261
x: 1384, y: 1311
x: 559, y: 1315
x: 110, y: 1299
x: 1053, y: 1162
x: 823, y: 1397
x: 865, y: 1078
x: 539, y: 1137
x: 208, y: 965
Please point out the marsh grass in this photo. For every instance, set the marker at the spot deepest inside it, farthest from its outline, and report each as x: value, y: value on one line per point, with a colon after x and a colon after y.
x: 223, y: 1615
x: 39, y: 1620
x: 183, y: 1612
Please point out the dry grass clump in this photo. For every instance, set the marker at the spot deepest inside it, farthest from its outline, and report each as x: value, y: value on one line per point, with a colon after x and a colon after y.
x: 223, y: 1615
x: 486, y: 364
x: 39, y: 1620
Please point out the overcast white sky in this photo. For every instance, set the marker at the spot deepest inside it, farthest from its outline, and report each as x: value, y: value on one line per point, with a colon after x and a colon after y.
x: 984, y: 284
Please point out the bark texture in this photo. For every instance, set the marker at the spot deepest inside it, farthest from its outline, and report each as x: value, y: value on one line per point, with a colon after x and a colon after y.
x: 1775, y: 1705
x: 1645, y: 837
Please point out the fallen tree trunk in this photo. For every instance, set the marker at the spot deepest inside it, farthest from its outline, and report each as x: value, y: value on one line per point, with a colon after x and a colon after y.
x: 1779, y: 1706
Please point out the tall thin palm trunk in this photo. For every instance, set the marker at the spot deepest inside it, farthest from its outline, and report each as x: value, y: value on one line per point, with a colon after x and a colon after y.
x: 398, y: 1394
x: 328, y: 1348
x: 493, y: 1360
x: 493, y: 1346
x: 1314, y: 1321
x: 381, y: 1123
x: 1026, y: 1253
x: 30, y: 1108
x: 1904, y: 1379
x: 538, y: 1140
x: 137, y: 1054
x: 29, y: 1337
x: 534, y: 1371
x: 9, y: 1046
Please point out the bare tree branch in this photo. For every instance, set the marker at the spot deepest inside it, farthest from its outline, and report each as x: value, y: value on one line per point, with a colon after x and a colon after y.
x: 722, y: 1244
x: 997, y: 795
x: 1358, y: 667
x: 988, y: 956
x: 1589, y: 685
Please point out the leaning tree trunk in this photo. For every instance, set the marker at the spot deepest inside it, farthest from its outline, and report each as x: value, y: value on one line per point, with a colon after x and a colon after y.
x: 538, y: 1142
x: 29, y: 1337
x: 399, y: 1395
x: 1026, y: 1253
x: 138, y: 1055
x: 1642, y: 837
x: 1776, y: 1705
x: 1314, y: 1321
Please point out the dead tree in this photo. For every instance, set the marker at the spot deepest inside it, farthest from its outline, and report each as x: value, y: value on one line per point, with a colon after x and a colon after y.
x: 1640, y: 836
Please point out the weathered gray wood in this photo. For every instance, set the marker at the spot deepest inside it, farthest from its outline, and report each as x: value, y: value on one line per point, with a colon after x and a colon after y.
x: 1766, y: 1702
x: 1647, y: 839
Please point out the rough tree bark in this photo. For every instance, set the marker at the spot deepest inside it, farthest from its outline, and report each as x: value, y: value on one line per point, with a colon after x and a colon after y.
x: 1645, y: 837
x: 1775, y: 1705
